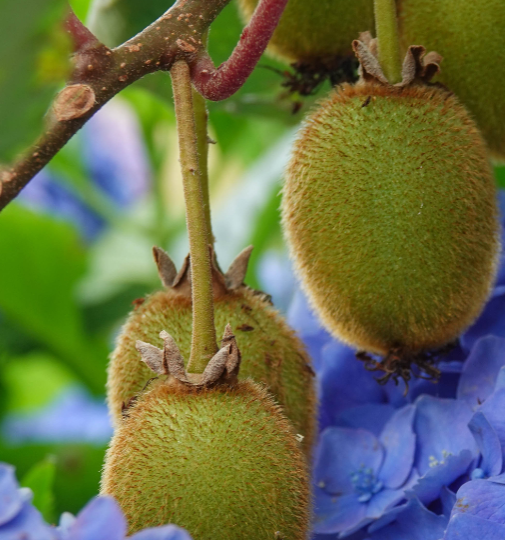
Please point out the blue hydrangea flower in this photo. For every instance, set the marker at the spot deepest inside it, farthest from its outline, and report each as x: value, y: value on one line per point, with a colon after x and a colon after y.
x: 115, y: 154
x: 479, y: 512
x: 359, y: 476
x: 74, y: 416
x: 411, y: 521
x: 100, y: 519
x: 18, y: 518
x: 48, y: 193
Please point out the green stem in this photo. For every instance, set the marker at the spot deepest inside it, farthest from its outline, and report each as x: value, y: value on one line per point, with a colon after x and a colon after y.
x: 386, y: 25
x: 203, y: 339
x: 201, y: 117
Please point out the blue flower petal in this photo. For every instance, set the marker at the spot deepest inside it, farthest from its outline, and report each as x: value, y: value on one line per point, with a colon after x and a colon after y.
x: 441, y: 426
x: 415, y: 522
x: 482, y: 498
x: 488, y: 442
x: 334, y: 514
x: 27, y: 525
x: 382, y: 501
x: 166, y: 532
x: 308, y: 327
x: 492, y: 320
x: 10, y: 498
x: 100, y: 519
x: 448, y: 500
x: 481, y: 369
x: 115, y: 153
x: 345, y: 382
x: 370, y: 416
x: 468, y: 527
x: 399, y: 442
x: 493, y: 408
x: 430, y: 484
x: 342, y: 452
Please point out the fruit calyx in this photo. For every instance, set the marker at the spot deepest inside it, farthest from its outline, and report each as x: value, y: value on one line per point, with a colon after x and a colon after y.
x: 418, y: 67
x: 222, y: 283
x: 222, y: 368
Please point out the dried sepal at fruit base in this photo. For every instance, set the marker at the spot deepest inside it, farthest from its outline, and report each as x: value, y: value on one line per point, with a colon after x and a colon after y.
x: 273, y: 355
x: 208, y: 452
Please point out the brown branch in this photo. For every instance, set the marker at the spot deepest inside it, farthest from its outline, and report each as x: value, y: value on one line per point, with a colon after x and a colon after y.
x: 218, y: 84
x: 101, y: 73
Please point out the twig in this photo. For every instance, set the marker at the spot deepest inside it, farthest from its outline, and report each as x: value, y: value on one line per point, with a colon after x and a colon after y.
x: 221, y: 83
x: 203, y: 337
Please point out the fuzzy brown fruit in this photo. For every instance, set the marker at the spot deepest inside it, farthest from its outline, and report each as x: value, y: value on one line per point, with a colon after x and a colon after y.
x: 273, y: 355
x: 467, y: 34
x: 209, y: 453
x: 316, y: 30
x: 390, y: 212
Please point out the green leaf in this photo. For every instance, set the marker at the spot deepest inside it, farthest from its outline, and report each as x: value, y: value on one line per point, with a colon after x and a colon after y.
x: 40, y: 479
x: 34, y: 60
x: 42, y: 262
x: 33, y: 380
x: 499, y: 172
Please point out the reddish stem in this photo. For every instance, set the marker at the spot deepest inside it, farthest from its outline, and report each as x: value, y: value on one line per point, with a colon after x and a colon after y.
x: 81, y: 36
x: 217, y: 84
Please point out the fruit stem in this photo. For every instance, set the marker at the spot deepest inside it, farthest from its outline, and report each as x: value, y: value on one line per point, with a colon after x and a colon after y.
x: 386, y: 25
x: 201, y: 116
x: 203, y: 338
x: 201, y: 120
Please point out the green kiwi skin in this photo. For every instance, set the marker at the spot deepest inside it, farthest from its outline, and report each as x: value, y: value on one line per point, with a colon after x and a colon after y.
x: 271, y: 352
x: 467, y: 34
x: 222, y: 463
x: 316, y: 30
x: 390, y: 212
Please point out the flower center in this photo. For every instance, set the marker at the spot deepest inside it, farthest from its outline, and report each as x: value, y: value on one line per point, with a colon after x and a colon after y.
x: 365, y: 484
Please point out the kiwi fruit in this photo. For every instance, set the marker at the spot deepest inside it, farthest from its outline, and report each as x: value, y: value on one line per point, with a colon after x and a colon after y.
x: 466, y: 34
x: 273, y: 354
x: 222, y: 462
x: 315, y: 30
x: 389, y: 208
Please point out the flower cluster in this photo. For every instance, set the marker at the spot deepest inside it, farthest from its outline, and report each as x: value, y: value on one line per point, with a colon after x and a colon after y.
x: 100, y: 519
x: 422, y: 464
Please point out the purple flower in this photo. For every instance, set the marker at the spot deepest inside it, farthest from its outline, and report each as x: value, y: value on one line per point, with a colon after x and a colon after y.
x: 411, y: 521
x: 115, y: 154
x: 18, y: 518
x: 73, y: 416
x: 481, y: 369
x: 479, y: 512
x: 359, y: 476
x: 100, y: 519
x: 47, y: 193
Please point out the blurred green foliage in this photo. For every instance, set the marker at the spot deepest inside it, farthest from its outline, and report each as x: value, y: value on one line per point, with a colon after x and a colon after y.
x: 34, y: 61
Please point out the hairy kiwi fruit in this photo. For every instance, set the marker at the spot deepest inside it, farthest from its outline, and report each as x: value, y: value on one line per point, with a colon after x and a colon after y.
x: 224, y: 463
x: 390, y: 212
x: 467, y: 34
x: 273, y: 355
x: 316, y: 30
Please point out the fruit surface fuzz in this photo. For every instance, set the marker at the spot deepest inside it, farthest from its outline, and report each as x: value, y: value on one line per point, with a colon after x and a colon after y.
x: 390, y: 212
x: 271, y: 352
x: 222, y: 463
x: 467, y: 33
x: 312, y: 30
